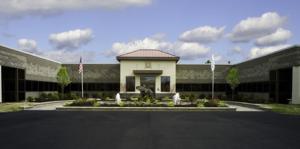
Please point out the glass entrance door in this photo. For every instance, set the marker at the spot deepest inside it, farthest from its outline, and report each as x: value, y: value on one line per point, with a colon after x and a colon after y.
x: 148, y: 81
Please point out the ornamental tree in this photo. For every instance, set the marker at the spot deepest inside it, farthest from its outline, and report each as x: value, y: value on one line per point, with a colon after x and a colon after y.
x: 232, y: 79
x: 63, y: 79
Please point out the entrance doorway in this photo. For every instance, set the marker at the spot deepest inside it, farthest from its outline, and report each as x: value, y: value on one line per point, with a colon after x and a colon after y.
x: 148, y: 81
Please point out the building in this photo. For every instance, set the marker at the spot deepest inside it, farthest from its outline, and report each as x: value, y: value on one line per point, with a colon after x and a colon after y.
x: 274, y: 77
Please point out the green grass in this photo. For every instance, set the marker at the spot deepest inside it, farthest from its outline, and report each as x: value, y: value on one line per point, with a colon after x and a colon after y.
x: 13, y: 107
x: 284, y: 108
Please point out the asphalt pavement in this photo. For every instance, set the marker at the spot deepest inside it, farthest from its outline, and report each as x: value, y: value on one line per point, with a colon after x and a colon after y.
x: 148, y: 130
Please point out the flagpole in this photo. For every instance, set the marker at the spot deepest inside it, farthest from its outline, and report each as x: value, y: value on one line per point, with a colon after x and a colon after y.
x: 213, y: 81
x: 82, y: 84
x: 212, y: 63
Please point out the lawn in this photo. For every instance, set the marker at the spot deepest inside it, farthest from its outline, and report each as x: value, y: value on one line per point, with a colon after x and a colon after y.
x: 13, y: 106
x: 284, y: 108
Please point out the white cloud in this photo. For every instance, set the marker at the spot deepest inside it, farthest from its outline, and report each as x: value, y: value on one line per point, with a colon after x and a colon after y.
x: 28, y: 45
x: 278, y: 37
x: 190, y: 51
x: 45, y: 7
x: 147, y: 43
x: 182, y: 49
x: 218, y: 58
x: 71, y: 40
x: 256, y: 51
x: 256, y: 27
x: 203, y: 34
x: 236, y: 49
x: 66, y: 56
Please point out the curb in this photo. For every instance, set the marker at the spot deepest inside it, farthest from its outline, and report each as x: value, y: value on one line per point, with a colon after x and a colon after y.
x: 145, y: 109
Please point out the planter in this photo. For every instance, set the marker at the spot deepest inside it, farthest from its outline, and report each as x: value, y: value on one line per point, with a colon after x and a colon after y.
x: 145, y: 109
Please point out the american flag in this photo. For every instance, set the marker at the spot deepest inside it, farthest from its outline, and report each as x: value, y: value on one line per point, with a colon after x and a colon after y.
x: 80, y: 67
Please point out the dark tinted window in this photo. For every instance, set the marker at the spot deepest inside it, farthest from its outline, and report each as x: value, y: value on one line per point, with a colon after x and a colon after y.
x: 130, y: 83
x: 165, y: 83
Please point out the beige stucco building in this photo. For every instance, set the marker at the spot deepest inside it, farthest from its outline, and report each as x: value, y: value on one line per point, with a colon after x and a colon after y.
x: 150, y: 68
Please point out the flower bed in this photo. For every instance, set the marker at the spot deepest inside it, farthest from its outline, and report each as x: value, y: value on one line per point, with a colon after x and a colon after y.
x: 153, y: 103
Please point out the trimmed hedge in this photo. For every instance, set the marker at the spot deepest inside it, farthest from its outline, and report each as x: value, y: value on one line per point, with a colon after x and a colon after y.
x: 83, y: 102
x: 43, y: 97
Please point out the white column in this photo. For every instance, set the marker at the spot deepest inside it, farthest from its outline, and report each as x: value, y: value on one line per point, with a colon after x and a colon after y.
x: 0, y: 84
x: 137, y: 82
x: 296, y: 85
x: 157, y: 84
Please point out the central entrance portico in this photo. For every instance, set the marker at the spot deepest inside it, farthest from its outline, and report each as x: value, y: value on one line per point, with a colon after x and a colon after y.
x: 148, y: 81
x: 153, y: 69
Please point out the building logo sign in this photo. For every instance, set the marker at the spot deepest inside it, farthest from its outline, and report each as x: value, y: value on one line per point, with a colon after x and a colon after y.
x: 147, y: 64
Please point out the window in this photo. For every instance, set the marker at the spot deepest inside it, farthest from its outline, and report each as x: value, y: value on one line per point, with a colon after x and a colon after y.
x: 130, y: 83
x: 165, y: 83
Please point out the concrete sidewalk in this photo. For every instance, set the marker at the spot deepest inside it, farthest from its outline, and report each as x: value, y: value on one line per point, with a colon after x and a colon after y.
x: 243, y: 106
x: 52, y: 105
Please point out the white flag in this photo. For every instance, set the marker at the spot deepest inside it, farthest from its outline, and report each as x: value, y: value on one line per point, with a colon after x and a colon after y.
x: 212, y: 63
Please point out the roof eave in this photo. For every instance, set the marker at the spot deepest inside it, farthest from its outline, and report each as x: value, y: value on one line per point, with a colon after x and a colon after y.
x: 149, y: 58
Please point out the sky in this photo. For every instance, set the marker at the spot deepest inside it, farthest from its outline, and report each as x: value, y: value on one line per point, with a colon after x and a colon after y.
x: 99, y: 30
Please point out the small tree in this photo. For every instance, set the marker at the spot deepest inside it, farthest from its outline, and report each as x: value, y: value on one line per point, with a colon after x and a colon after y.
x: 63, y: 79
x: 207, y: 62
x: 232, y: 79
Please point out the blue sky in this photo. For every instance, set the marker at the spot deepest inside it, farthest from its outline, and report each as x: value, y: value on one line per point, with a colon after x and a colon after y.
x: 98, y: 30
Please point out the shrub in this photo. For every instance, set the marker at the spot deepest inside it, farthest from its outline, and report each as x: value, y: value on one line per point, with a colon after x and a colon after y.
x: 138, y: 104
x: 222, y: 104
x: 99, y: 95
x: 107, y: 96
x: 220, y: 97
x: 171, y: 104
x: 83, y: 102
x: 239, y: 97
x: 73, y: 96
x: 201, y: 96
x: 146, y: 98
x: 69, y: 96
x: 185, y: 97
x: 53, y: 96
x: 208, y: 96
x: 94, y: 95
x: 97, y: 104
x: 134, y: 98
x: 212, y: 103
x: 200, y: 104
x: 182, y: 96
x: 103, y: 96
x: 30, y: 99
x: 121, y: 104
x: 192, y: 98
x: 43, y: 97
x: 166, y: 98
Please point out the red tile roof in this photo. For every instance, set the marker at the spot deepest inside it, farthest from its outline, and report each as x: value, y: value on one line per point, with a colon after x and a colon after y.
x: 152, y: 54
